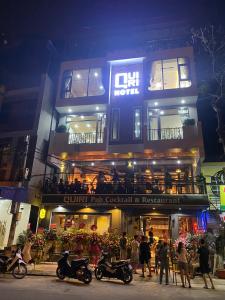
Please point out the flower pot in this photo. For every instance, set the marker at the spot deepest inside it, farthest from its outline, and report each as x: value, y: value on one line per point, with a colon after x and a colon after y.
x: 221, y: 273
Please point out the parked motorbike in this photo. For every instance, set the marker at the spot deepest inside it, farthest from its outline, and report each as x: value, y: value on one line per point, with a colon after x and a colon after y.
x: 78, y: 269
x: 14, y: 265
x: 120, y: 269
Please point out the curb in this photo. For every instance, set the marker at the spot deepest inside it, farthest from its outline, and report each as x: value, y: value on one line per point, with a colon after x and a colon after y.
x: 41, y: 274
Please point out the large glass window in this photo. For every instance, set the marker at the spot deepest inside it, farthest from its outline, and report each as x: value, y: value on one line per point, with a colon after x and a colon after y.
x: 169, y: 74
x: 82, y: 83
x: 115, y: 124
x: 166, y: 124
x: 137, y: 123
x: 86, y: 128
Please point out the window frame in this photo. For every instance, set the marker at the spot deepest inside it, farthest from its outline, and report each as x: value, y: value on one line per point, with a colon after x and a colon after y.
x: 179, y: 65
x: 141, y: 127
x: 115, y: 109
x: 65, y: 76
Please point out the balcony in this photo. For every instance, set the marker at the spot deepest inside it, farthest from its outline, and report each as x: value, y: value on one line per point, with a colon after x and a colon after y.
x: 76, y: 142
x: 165, y: 134
x: 169, y: 138
x: 85, y: 138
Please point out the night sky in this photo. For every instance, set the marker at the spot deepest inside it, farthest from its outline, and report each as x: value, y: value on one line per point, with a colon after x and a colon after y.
x: 26, y: 27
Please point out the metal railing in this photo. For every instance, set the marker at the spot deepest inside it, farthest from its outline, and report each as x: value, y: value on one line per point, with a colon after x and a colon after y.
x: 165, y: 134
x: 85, y: 138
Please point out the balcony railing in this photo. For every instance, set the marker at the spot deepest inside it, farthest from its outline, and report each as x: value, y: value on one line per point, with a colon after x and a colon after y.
x: 165, y: 134
x: 85, y: 138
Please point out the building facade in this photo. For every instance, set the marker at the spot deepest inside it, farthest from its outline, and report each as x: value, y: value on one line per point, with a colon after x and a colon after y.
x: 127, y: 146
x: 25, y: 120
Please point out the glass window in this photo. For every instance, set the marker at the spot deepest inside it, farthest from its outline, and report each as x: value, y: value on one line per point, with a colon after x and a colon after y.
x: 169, y: 74
x: 137, y: 123
x: 82, y: 83
x: 86, y: 128
x: 166, y: 124
x: 115, y: 124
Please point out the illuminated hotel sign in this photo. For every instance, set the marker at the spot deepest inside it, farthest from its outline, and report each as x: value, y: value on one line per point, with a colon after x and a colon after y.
x: 127, y: 84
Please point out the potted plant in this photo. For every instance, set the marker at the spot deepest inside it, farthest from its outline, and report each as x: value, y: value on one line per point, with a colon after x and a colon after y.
x: 189, y: 122
x: 61, y: 129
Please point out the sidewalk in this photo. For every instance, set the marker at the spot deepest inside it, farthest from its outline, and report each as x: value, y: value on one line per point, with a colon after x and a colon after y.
x: 49, y: 269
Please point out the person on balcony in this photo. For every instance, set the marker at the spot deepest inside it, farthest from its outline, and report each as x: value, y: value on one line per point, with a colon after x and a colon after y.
x: 61, y: 187
x: 168, y: 182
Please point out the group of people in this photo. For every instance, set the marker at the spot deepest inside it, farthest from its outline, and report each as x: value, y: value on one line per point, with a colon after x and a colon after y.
x: 141, y: 248
x: 128, y: 183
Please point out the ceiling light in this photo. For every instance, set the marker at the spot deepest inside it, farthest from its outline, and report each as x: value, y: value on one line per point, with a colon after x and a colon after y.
x: 97, y: 107
x: 82, y: 117
x: 78, y: 76
x: 136, y: 114
x: 135, y: 162
x: 178, y: 162
x: 92, y: 164
x: 73, y: 164
x: 161, y: 112
x: 88, y: 125
x: 138, y: 123
x: 153, y: 208
x: 183, y: 101
x: 95, y: 74
x: 101, y: 87
x: 154, y: 162
x: 156, y: 103
x: 76, y: 126
x: 69, y: 110
x: 113, y: 163
x: 179, y: 208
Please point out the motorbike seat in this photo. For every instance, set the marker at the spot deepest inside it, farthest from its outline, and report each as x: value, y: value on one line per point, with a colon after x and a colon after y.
x: 119, y: 262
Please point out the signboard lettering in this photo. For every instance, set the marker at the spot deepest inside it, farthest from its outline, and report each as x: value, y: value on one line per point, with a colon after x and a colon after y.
x: 127, y: 84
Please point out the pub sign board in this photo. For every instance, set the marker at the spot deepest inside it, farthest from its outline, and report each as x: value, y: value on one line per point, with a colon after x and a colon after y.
x: 125, y: 200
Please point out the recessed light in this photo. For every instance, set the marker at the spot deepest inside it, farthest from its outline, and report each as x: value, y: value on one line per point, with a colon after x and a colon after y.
x: 95, y: 74
x: 82, y: 117
x: 156, y: 103
x: 179, y: 208
x: 97, y: 107
x: 134, y: 162
x: 113, y: 163
x: 161, y: 112
x: 101, y: 87
x: 154, y: 162
x: 78, y: 76
x: 178, y: 162
x: 88, y: 125
x: 136, y: 114
x: 73, y: 164
x: 92, y: 164
x: 183, y: 101
x: 69, y: 110
x: 153, y: 208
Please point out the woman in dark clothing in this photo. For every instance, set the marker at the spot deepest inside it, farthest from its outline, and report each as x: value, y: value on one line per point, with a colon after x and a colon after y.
x: 145, y: 255
x: 204, y: 263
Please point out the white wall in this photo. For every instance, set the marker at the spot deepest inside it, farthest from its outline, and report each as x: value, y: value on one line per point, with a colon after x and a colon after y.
x: 43, y: 128
x: 5, y: 222
x: 22, y: 225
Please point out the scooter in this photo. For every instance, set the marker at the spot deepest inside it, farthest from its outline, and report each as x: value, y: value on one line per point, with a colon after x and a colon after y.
x: 121, y: 269
x: 15, y: 265
x: 78, y: 269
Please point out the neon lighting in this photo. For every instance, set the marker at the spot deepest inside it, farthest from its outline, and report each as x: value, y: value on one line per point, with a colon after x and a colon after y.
x: 127, y: 84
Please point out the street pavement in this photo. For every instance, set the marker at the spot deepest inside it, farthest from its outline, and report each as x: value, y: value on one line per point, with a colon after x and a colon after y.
x: 50, y: 288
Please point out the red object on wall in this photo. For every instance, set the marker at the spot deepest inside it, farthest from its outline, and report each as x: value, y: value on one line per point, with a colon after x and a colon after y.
x: 81, y: 225
x: 93, y: 227
x: 53, y: 226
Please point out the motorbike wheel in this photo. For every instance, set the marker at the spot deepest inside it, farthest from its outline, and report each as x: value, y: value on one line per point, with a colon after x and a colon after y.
x: 127, y: 277
x: 60, y: 274
x: 98, y: 273
x: 19, y: 271
x: 87, y: 277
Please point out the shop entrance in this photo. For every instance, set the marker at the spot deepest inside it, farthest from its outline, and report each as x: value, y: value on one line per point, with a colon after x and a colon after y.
x: 160, y: 225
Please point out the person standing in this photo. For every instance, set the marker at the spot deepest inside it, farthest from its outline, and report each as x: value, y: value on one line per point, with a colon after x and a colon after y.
x: 151, y: 236
x: 183, y: 263
x: 123, y: 246
x: 157, y: 258
x: 145, y: 255
x: 135, y: 253
x: 164, y: 262
x: 204, y: 263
